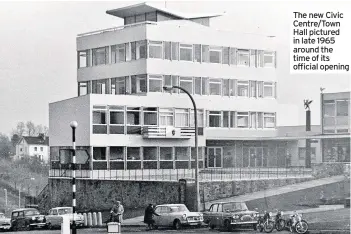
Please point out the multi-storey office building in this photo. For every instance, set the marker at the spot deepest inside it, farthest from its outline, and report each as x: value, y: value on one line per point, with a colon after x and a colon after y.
x: 127, y: 121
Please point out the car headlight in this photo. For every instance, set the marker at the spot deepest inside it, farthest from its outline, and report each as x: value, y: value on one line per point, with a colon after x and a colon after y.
x: 184, y: 216
x: 33, y: 218
x: 235, y: 216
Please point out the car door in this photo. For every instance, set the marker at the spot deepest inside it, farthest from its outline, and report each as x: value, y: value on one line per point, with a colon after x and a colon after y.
x: 56, y: 219
x: 21, y: 221
x: 212, y: 214
x: 220, y: 214
x: 14, y: 217
x: 158, y: 219
x: 168, y: 218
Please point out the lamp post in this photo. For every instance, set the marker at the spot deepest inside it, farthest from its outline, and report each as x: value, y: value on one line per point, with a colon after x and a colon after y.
x: 5, y: 197
x: 197, y: 190
x: 74, y: 125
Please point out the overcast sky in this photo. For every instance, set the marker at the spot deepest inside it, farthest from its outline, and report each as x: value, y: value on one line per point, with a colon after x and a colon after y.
x: 38, y: 51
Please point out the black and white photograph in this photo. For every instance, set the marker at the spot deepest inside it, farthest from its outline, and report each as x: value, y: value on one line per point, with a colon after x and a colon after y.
x: 175, y: 117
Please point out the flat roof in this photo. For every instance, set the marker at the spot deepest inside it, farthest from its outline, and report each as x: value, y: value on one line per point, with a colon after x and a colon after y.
x: 319, y: 136
x: 144, y: 7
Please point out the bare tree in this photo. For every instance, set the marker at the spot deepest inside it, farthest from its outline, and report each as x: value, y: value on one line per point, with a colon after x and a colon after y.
x: 31, y: 129
x: 20, y: 129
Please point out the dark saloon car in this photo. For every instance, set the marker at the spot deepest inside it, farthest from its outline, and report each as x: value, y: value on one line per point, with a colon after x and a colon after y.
x: 27, y: 219
x: 230, y: 215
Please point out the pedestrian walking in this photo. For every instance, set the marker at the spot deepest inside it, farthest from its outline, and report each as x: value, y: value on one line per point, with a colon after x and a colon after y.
x: 116, y: 213
x: 148, y: 217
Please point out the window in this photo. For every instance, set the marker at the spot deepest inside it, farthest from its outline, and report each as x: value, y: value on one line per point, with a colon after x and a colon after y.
x: 243, y: 88
x: 214, y: 118
x: 259, y: 89
x: 140, y: 18
x: 166, y: 116
x: 132, y: 51
x: 181, y: 153
x: 268, y: 89
x: 155, y: 83
x: 150, y: 116
x: 225, y: 119
x: 205, y: 53
x: 302, y: 152
x: 133, y: 120
x: 269, y: 120
x: 155, y: 49
x: 21, y: 149
x: 99, y: 153
x: 139, y: 84
x: 133, y: 153
x: 342, y: 108
x: 215, y: 54
x: 232, y: 88
x: 197, y: 53
x: 175, y: 81
x: 197, y: 84
x: 99, y: 86
x: 243, y: 57
x: 117, y: 153
x: 151, y: 16
x: 253, y: 122
x: 99, y: 120
x: 215, y: 86
x: 186, y: 83
x: 118, y: 53
x: 253, y: 88
x: 186, y: 52
x: 259, y: 58
x: 166, y: 154
x: 225, y: 87
x: 329, y: 108
x: 129, y: 20
x: 175, y: 50
x: 167, y: 47
x: 42, y: 149
x: 225, y: 55
x: 149, y: 153
x: 253, y: 58
x: 35, y: 148
x: 204, y: 87
x: 269, y: 59
x: 182, y: 117
x: 233, y: 56
x: 259, y: 120
x: 141, y: 49
x: 232, y: 119
x: 83, y: 88
x: 243, y: 119
x: 200, y: 153
x: 100, y: 56
x: 117, y: 119
x: 200, y: 118
x: 119, y: 85
x: 83, y: 58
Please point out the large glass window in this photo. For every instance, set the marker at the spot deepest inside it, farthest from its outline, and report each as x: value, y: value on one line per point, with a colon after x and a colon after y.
x: 100, y: 56
x: 181, y: 153
x: 215, y: 86
x: 226, y: 119
x: 204, y: 87
x: 99, y: 120
x: 233, y: 56
x: 83, y: 58
x: 253, y: 120
x: 259, y: 89
x: 269, y: 120
x: 268, y: 89
x: 118, y: 53
x: 232, y: 119
x: 253, y: 58
x: 167, y: 46
x: 182, y: 117
x: 186, y: 83
x: 120, y: 85
x: 253, y: 88
x: 243, y: 57
x: 214, y: 118
x: 232, y: 84
x: 155, y: 83
x: 150, y: 116
x: 269, y: 59
x: 133, y: 120
x: 225, y: 55
x: 133, y: 153
x: 186, y: 52
x: 205, y: 53
x: 242, y: 119
x: 329, y: 108
x: 260, y: 120
x: 200, y: 118
x: 175, y: 50
x: 149, y: 153
x: 100, y: 86
x: 129, y: 20
x: 117, y: 153
x: 215, y: 54
x: 141, y: 49
x: 117, y: 119
x: 342, y: 108
x: 166, y: 116
x: 197, y: 53
x: 155, y: 49
x: 200, y: 151
x: 151, y: 16
x: 99, y: 153
x: 197, y: 84
x: 139, y: 84
x: 243, y: 88
x: 225, y: 87
x: 140, y: 18
x: 166, y: 154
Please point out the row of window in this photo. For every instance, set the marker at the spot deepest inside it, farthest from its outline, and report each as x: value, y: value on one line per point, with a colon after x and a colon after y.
x: 336, y: 107
x: 128, y: 120
x: 176, y: 51
x: 194, y: 85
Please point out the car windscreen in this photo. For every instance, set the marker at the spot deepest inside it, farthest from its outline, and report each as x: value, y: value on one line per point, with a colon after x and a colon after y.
x: 179, y: 209
x: 31, y: 212
x: 232, y: 207
x: 65, y: 211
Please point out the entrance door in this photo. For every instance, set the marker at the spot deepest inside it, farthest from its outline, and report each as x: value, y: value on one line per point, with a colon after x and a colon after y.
x: 214, y: 157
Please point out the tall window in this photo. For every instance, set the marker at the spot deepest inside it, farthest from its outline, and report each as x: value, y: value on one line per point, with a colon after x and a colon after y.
x: 117, y: 153
x: 150, y: 116
x: 155, y: 83
x: 253, y: 120
x: 141, y: 49
x: 100, y: 86
x: 204, y: 87
x: 100, y: 56
x: 225, y: 87
x: 205, y: 53
x: 215, y: 86
x: 133, y: 120
x: 182, y: 117
x: 243, y: 57
x: 83, y: 88
x: 214, y: 118
x: 83, y: 58
x: 253, y: 58
x: 215, y: 54
x: 186, y: 52
x: 200, y: 118
x: 99, y: 153
x: 268, y: 88
x: 197, y: 84
x: 243, y: 88
x: 181, y: 153
x: 167, y: 47
x: 116, y: 119
x: 269, y: 59
x: 259, y: 89
x: 166, y: 116
x: 197, y: 53
x: 259, y: 120
x: 99, y: 120
x: 121, y: 85
x: 139, y: 84
x: 232, y: 89
x: 342, y: 107
x: 150, y: 153
x: 233, y: 56
x: 118, y: 53
x: 155, y: 49
x: 186, y: 83
x: 175, y: 50
x: 133, y: 153
x: 232, y: 119
x: 253, y: 88
x: 166, y: 153
x: 226, y: 119
x: 269, y: 120
x: 242, y: 119
x: 225, y: 55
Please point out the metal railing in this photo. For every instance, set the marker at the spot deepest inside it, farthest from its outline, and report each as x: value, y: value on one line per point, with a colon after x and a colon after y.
x: 208, y: 174
x: 165, y: 132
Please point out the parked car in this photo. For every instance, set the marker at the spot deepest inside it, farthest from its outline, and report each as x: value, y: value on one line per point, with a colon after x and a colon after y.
x: 27, y: 219
x: 230, y: 215
x: 5, y: 223
x: 176, y: 216
x: 55, y: 217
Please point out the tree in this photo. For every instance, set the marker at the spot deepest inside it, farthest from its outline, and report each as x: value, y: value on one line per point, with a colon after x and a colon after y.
x: 5, y: 146
x: 31, y: 129
x: 15, y: 138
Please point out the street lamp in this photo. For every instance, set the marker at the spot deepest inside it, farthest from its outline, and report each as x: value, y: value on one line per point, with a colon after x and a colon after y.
x: 197, y: 190
x: 5, y: 197
x: 74, y: 125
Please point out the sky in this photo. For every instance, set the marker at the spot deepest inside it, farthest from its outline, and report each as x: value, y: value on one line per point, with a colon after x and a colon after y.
x: 38, y: 51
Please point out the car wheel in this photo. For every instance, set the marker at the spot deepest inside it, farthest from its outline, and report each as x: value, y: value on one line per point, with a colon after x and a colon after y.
x: 228, y: 226
x: 211, y: 225
x: 27, y: 227
x: 176, y: 224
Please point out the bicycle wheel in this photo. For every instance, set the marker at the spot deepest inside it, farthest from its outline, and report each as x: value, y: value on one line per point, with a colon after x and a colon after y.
x: 280, y: 225
x: 268, y: 226
x: 301, y: 227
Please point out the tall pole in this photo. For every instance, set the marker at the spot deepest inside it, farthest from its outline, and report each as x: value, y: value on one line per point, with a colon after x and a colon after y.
x: 19, y: 197
x: 5, y: 197
x: 308, y: 129
x: 74, y: 125
x: 197, y: 189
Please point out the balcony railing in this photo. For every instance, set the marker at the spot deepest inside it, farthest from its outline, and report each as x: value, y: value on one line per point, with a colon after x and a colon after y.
x: 168, y: 132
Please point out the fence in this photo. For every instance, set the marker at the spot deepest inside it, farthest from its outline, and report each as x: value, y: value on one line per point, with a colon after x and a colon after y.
x: 215, y: 174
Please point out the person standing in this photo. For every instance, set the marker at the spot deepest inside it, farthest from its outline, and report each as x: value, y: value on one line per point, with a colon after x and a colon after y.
x: 117, y: 212
x: 148, y: 217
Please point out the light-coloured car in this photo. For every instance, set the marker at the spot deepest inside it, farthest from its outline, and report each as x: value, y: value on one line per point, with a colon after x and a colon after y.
x: 55, y: 217
x: 176, y: 216
x: 5, y: 223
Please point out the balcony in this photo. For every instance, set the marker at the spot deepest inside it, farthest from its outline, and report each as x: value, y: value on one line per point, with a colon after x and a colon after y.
x: 168, y: 132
